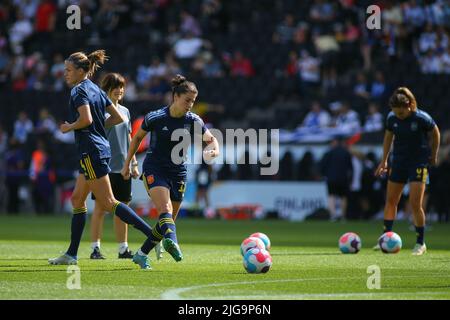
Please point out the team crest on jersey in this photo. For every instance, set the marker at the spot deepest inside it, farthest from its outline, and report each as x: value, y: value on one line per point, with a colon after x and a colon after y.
x: 150, y: 179
x: 414, y: 126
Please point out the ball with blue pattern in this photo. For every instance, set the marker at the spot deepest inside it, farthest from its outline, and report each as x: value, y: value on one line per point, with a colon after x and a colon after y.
x: 390, y: 242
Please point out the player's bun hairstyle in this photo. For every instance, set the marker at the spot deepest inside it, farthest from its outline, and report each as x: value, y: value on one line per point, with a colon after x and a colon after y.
x: 112, y: 81
x: 89, y: 63
x: 403, y: 98
x: 180, y: 85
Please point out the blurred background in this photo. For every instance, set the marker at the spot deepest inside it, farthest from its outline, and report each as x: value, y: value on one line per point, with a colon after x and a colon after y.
x: 310, y: 68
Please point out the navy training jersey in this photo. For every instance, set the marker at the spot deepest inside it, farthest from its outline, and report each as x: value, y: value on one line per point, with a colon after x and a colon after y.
x: 92, y: 139
x: 411, y: 146
x: 161, y: 125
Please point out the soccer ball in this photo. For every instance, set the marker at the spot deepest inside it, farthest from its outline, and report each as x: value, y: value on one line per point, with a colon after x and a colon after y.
x: 350, y: 243
x: 390, y: 242
x: 264, y: 239
x: 257, y: 260
x: 251, y: 242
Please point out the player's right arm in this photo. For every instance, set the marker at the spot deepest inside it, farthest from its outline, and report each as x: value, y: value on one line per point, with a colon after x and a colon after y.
x: 134, y: 145
x: 83, y: 121
x: 387, y: 143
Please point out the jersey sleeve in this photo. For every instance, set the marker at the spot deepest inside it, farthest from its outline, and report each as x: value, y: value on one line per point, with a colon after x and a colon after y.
x: 108, y: 101
x: 149, y: 122
x: 197, y: 121
x: 427, y: 122
x: 390, y: 122
x: 80, y: 98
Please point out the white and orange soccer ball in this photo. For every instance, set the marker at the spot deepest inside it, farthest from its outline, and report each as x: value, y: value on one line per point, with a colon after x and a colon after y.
x: 350, y: 242
x: 257, y: 260
x: 390, y: 242
x: 251, y: 242
x: 264, y: 239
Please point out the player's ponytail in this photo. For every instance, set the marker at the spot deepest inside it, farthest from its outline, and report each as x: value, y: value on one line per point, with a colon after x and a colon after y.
x: 180, y: 85
x: 403, y: 98
x: 88, y: 63
x: 96, y: 59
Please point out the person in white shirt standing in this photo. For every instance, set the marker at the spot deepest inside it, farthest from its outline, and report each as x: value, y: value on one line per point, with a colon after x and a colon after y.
x: 119, y: 137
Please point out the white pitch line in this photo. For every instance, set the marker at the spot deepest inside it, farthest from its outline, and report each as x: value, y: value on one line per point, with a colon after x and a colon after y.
x: 175, y: 294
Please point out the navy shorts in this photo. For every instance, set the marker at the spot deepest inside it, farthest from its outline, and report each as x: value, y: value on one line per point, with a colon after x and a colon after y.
x: 121, y: 188
x: 176, y: 185
x: 93, y: 168
x: 417, y: 173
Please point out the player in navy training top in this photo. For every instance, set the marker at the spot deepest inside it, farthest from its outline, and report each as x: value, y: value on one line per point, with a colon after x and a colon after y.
x: 88, y: 106
x: 164, y: 171
x: 416, y: 140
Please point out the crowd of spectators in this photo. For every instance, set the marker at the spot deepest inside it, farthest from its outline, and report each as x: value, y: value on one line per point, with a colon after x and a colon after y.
x: 295, y: 65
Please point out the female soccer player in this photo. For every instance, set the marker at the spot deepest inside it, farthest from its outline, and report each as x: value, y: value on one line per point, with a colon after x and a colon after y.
x: 164, y: 171
x: 411, y: 130
x: 119, y: 139
x: 88, y: 105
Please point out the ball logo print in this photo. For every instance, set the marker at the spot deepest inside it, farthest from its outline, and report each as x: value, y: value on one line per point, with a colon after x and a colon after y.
x: 257, y: 260
x: 264, y: 238
x: 251, y: 242
x: 350, y: 243
x: 390, y: 242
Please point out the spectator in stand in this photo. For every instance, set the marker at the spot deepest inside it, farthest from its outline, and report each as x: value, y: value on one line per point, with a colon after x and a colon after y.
x: 42, y: 178
x: 348, y: 119
x: 284, y: 32
x: 427, y: 39
x: 188, y: 46
x: 291, y: 69
x: 44, y: 24
x: 361, y: 88
x: 241, y: 66
x: 316, y: 118
x: 374, y: 119
x: 309, y: 71
x: 46, y: 123
x: 5, y: 65
x: 430, y: 63
x: 57, y: 72
x: 378, y: 88
x: 189, y: 24
x: 22, y: 127
x: 15, y: 174
x: 19, y: 32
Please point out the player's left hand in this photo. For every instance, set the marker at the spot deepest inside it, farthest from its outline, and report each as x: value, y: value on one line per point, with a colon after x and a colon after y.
x: 65, y: 127
x: 135, y: 172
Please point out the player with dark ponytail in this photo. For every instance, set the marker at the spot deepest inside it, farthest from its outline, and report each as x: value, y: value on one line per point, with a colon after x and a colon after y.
x: 416, y: 138
x: 88, y: 105
x: 164, y: 171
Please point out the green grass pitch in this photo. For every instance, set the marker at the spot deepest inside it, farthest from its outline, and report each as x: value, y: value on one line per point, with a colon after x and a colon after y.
x: 306, y: 263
